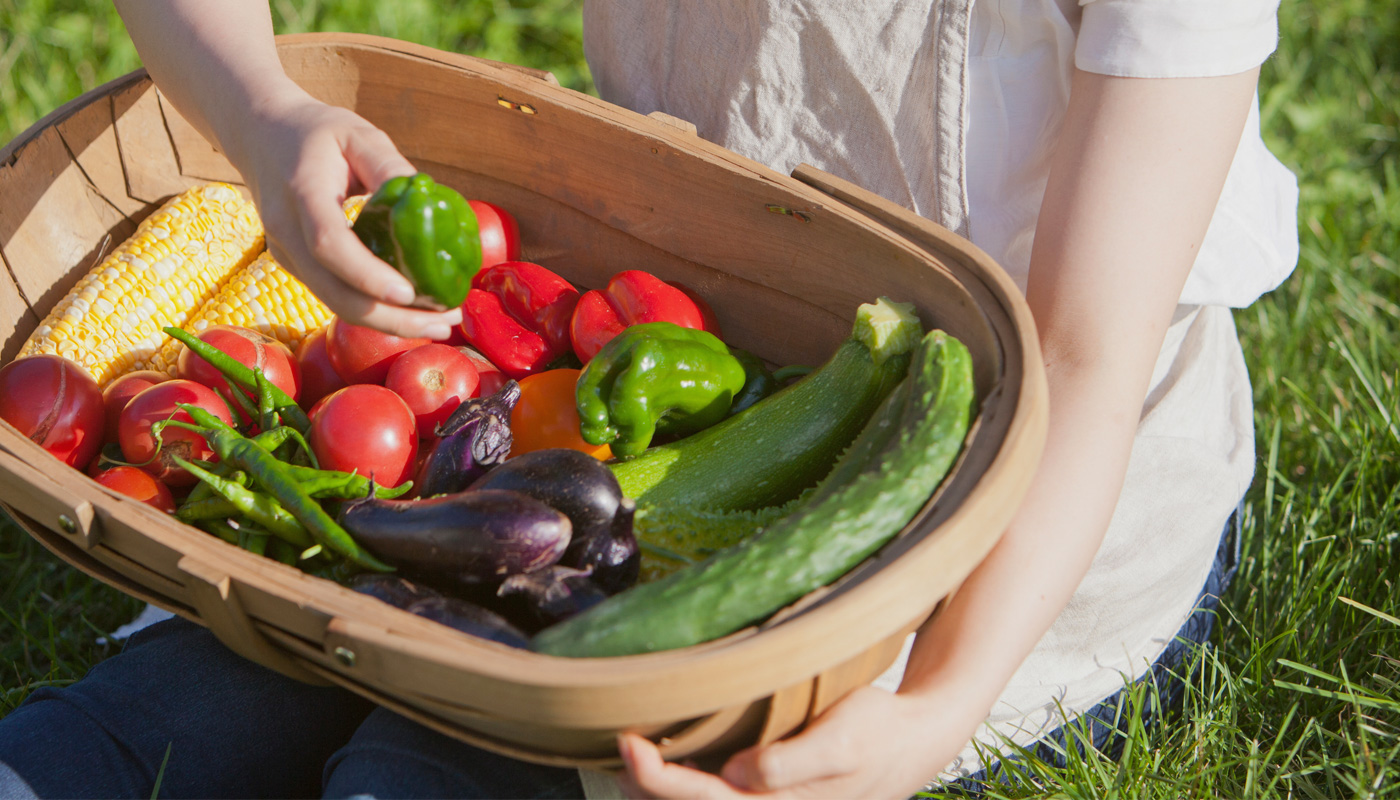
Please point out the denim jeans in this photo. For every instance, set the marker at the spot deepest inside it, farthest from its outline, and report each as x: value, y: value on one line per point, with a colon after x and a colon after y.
x: 178, y: 704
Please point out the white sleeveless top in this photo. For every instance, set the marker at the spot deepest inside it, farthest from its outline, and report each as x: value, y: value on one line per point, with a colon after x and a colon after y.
x: 951, y: 109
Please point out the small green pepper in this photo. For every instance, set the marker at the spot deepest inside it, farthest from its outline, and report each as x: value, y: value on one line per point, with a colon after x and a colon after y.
x: 427, y: 231
x: 656, y: 377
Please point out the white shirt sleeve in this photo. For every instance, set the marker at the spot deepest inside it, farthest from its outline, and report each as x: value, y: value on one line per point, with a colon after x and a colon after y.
x: 1175, y: 38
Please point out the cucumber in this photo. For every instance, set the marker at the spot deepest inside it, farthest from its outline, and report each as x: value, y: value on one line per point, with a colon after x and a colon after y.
x: 672, y: 537
x: 767, y: 454
x: 881, y: 482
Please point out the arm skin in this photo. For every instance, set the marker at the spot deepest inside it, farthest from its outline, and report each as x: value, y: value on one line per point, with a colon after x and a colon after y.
x: 216, y: 62
x: 1133, y: 183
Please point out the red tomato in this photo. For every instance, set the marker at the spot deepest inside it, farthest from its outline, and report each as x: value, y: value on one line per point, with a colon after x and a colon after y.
x: 364, y: 355
x: 500, y: 235
x: 490, y: 376
x: 120, y: 391
x: 56, y: 404
x: 433, y: 379
x: 547, y: 415
x: 138, y: 484
x: 366, y: 429
x: 248, y: 347
x: 318, y: 377
x: 156, y: 403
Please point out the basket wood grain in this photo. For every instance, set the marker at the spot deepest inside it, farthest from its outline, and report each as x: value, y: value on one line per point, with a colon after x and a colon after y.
x: 784, y: 260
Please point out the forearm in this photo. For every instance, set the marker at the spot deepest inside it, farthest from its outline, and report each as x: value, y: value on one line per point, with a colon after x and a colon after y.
x: 215, y: 59
x: 1133, y: 184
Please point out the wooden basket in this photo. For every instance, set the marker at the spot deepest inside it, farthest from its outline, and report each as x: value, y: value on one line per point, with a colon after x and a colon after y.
x: 597, y: 189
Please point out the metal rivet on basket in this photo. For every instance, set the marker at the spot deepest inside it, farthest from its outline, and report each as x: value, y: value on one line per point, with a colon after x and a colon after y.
x: 67, y: 524
x: 345, y: 656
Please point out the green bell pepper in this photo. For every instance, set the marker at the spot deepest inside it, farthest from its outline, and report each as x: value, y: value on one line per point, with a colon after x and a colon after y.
x: 428, y: 232
x: 656, y: 377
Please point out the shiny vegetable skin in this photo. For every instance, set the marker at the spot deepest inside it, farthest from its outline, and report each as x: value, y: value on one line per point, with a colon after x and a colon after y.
x: 587, y: 493
x: 517, y: 315
x: 469, y: 537
x: 244, y: 376
x: 888, y: 474
x: 274, y: 477
x: 785, y: 443
x: 475, y: 438
x: 632, y: 297
x: 655, y: 378
x: 426, y: 231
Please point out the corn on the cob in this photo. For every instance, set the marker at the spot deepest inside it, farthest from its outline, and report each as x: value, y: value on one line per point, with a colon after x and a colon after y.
x: 262, y: 296
x: 111, y: 320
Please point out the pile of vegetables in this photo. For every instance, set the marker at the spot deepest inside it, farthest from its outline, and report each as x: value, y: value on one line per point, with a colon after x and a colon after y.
x: 518, y: 481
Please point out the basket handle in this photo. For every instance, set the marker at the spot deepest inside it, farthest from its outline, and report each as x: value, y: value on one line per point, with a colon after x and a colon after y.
x: 214, y: 594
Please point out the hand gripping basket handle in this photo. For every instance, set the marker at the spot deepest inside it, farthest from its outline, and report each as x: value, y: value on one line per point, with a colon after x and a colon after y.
x: 214, y: 594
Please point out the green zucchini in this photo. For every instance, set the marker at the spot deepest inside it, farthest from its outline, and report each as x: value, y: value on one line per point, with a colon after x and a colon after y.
x: 767, y: 454
x: 880, y: 483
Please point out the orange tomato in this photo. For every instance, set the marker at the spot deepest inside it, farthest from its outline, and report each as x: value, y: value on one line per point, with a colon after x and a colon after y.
x: 546, y: 415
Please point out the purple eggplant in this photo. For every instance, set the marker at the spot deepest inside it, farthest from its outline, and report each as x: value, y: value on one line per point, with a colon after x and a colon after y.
x: 588, y: 493
x: 470, y: 618
x: 468, y: 538
x: 552, y: 594
x: 391, y: 589
x: 471, y: 441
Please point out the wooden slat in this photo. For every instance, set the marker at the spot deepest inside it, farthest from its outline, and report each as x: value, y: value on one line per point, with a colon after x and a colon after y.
x: 147, y: 154
x: 196, y: 155
x: 17, y: 319
x: 53, y: 223
x: 788, y: 709
x: 91, y: 138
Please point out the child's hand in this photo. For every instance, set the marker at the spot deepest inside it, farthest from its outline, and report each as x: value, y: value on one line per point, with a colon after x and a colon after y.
x: 301, y: 158
x: 871, y: 744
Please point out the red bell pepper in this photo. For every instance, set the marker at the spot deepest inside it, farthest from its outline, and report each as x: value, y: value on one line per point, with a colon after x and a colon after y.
x: 633, y: 297
x: 517, y: 315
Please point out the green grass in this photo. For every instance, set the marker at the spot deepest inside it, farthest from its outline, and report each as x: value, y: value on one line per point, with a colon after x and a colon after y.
x: 1301, y: 698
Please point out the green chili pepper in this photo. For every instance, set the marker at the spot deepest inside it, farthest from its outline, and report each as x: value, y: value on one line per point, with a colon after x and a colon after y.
x: 274, y: 477
x: 273, y: 440
x: 267, y: 406
x: 426, y: 231
x: 220, y: 528
x: 243, y: 377
x: 656, y: 377
x: 283, y: 552
x: 253, y: 541
x: 237, y: 401
x: 262, y: 509
x: 327, y: 483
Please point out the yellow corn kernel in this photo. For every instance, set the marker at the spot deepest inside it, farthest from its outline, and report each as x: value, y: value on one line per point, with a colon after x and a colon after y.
x: 224, y: 232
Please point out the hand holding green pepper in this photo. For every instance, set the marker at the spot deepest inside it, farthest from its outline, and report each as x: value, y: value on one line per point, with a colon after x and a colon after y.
x: 657, y: 377
x: 428, y: 232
